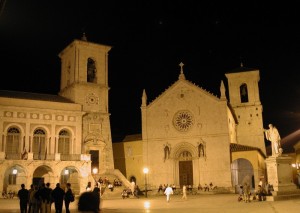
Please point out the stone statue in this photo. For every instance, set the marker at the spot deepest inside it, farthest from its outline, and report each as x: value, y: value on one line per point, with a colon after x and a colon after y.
x: 272, y: 135
x: 166, y: 151
x: 200, y: 150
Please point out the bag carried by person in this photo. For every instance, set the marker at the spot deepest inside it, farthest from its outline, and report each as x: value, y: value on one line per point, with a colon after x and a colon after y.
x: 72, y: 198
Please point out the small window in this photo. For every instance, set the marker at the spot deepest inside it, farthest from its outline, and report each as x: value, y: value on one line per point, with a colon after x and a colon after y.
x: 91, y: 71
x: 244, y: 93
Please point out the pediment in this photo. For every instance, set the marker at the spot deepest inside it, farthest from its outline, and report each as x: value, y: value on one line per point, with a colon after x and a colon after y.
x: 184, y: 89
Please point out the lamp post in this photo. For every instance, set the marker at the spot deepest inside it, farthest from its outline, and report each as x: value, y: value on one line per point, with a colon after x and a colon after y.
x: 146, y: 170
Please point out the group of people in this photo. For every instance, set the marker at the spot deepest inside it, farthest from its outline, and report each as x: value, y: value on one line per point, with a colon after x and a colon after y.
x: 40, y: 198
x: 106, y: 181
x: 162, y: 188
x: 10, y: 194
x: 264, y: 189
x: 136, y: 192
x: 207, y: 187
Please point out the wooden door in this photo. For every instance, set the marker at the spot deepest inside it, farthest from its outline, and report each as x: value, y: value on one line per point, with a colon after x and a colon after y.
x: 185, y: 173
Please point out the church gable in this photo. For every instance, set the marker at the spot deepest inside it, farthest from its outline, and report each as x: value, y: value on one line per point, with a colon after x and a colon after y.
x: 185, y: 107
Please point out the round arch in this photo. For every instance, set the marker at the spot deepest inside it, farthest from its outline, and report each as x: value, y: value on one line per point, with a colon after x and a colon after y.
x: 43, y: 127
x: 70, y: 174
x: 14, y: 174
x: 43, y: 174
x: 65, y: 128
x: 10, y: 125
x: 242, y: 171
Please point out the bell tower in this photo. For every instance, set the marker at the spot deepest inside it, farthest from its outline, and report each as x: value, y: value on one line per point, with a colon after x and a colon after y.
x: 245, y: 101
x: 84, y: 80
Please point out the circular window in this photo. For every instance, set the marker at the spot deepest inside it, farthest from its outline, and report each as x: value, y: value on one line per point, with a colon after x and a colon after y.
x: 183, y: 121
x: 92, y: 99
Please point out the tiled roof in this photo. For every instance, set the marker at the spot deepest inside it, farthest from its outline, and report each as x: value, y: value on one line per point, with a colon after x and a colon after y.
x: 33, y: 96
x: 240, y: 148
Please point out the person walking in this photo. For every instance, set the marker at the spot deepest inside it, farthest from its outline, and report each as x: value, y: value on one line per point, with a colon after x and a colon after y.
x: 246, y: 193
x: 29, y: 201
x: 68, y: 197
x: 58, y: 197
x: 33, y: 200
x: 184, y: 192
x: 44, y: 196
x: 23, y: 196
x: 168, y: 192
x: 49, y: 198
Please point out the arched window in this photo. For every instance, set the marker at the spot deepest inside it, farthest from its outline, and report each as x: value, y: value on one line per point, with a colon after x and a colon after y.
x: 91, y: 71
x: 13, y: 141
x: 64, y: 142
x: 244, y: 93
x: 39, y: 143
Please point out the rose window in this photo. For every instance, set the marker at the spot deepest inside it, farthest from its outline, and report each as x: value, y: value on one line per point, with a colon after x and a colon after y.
x: 183, y: 121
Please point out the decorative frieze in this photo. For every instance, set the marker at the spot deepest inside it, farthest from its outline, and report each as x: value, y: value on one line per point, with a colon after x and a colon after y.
x: 8, y: 114
x: 47, y: 117
x: 59, y: 117
x: 34, y: 116
x: 72, y: 118
x: 21, y: 115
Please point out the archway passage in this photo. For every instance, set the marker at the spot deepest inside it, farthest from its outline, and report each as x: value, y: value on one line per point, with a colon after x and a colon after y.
x: 242, y: 171
x: 185, y: 173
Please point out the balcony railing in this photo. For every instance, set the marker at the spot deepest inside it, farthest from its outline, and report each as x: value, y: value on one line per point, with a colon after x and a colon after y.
x: 13, y: 157
x: 62, y: 157
x: 43, y: 157
x: 74, y: 157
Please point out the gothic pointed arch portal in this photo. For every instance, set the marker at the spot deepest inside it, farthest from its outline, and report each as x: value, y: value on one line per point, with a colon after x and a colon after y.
x: 184, y: 155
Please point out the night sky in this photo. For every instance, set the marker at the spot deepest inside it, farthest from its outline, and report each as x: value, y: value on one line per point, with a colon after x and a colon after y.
x: 149, y: 39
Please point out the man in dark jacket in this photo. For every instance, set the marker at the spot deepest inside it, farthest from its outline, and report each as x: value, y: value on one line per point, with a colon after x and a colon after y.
x: 23, y: 196
x: 68, y: 197
x: 44, y: 196
x: 58, y: 197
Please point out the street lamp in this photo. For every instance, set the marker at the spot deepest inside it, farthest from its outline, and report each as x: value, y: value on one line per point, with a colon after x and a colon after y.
x: 15, y: 171
x: 146, y: 170
x: 95, y: 171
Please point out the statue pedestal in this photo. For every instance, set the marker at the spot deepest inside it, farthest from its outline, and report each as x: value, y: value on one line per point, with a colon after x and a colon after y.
x: 280, y: 175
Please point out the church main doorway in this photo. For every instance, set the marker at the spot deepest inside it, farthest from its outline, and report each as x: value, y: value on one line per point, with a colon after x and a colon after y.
x: 185, y: 173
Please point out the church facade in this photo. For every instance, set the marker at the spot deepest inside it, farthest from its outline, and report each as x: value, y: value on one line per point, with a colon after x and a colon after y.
x: 192, y: 137
x: 59, y: 138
